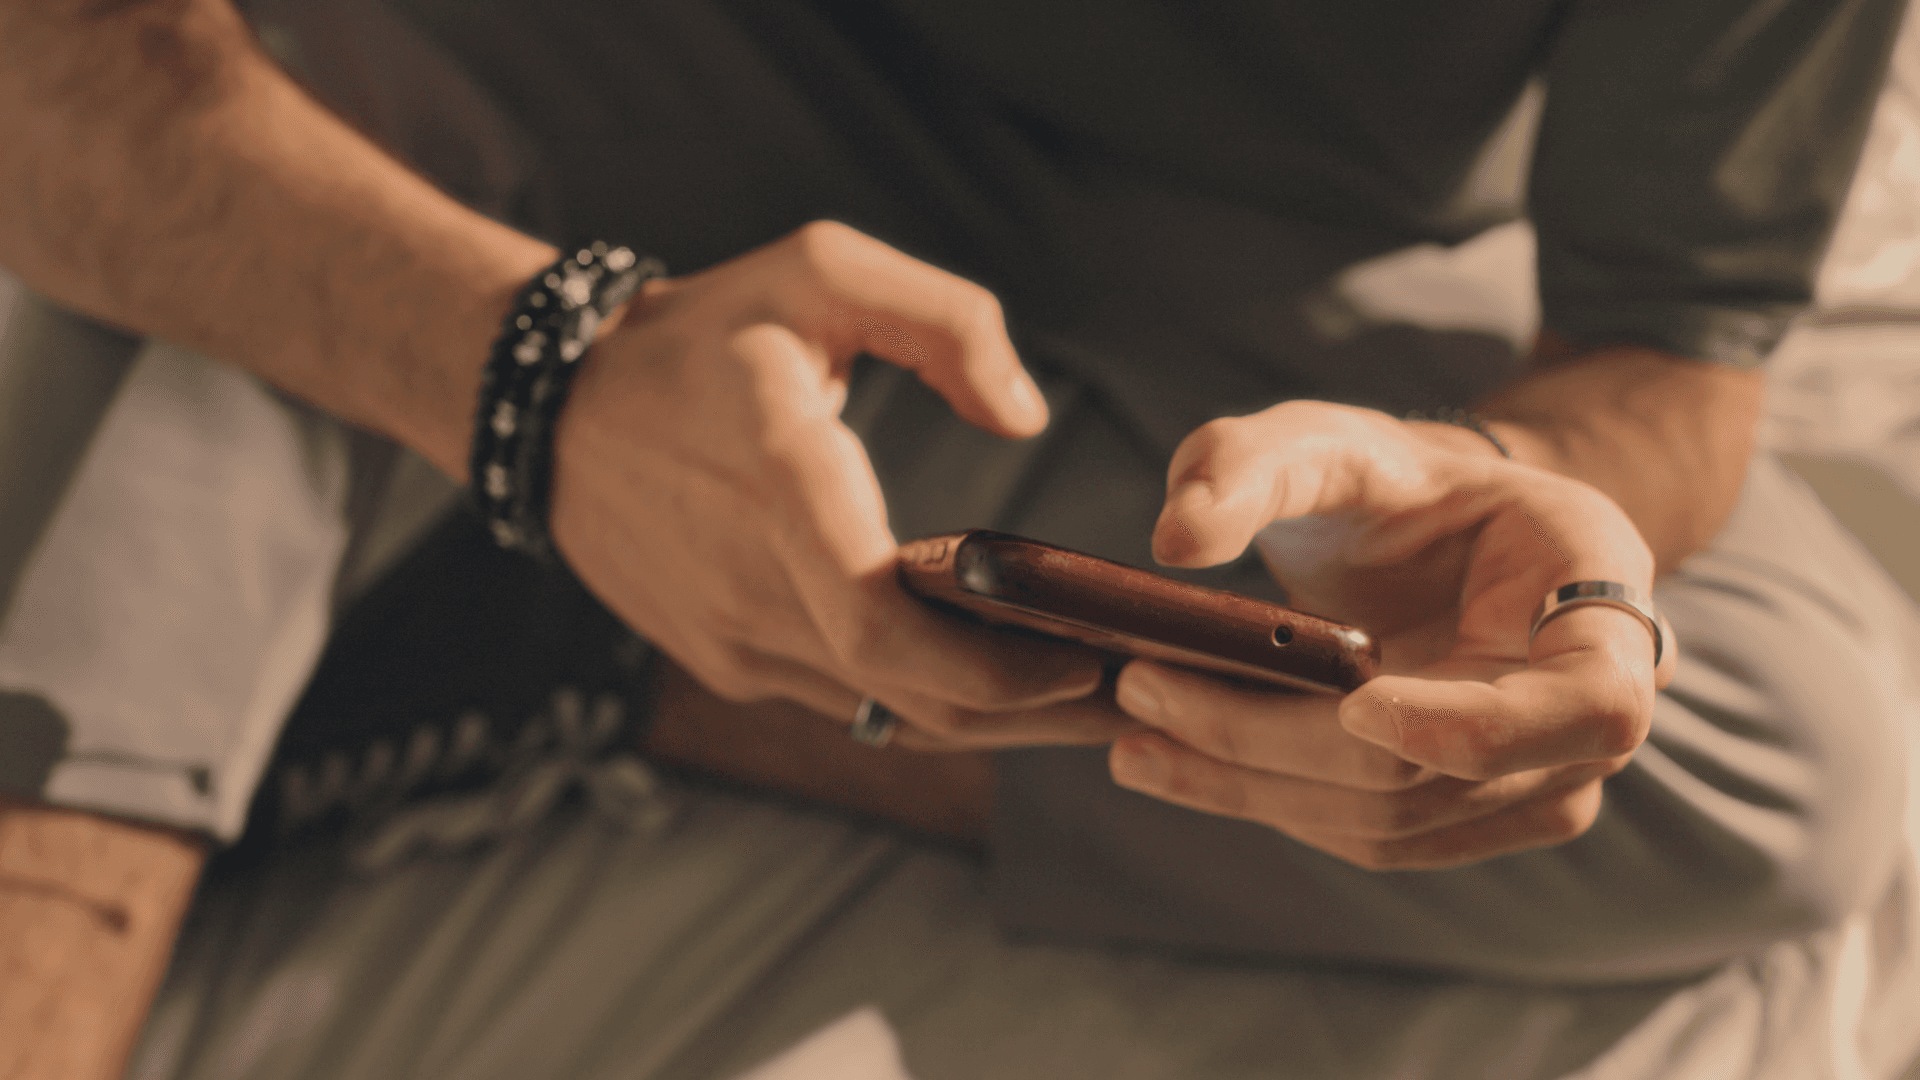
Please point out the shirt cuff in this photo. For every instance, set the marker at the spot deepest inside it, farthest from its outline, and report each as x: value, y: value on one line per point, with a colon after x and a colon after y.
x: 1738, y: 336
x: 177, y: 600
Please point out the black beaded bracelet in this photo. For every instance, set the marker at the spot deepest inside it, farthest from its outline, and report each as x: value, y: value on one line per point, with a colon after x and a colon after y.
x: 525, y: 384
x: 1465, y: 419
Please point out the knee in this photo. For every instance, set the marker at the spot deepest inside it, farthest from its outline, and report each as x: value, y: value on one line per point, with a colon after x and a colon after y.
x: 1786, y: 734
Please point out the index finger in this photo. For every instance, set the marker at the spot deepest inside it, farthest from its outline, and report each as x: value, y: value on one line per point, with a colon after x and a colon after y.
x: 866, y: 296
x: 1586, y: 695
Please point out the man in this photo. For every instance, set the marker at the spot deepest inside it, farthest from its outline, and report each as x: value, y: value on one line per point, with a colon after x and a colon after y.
x: 1166, y: 189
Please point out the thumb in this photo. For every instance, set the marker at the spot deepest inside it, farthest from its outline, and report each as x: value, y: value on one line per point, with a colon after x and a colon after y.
x: 1203, y: 523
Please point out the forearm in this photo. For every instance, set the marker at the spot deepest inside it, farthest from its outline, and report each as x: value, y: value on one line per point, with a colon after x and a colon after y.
x: 159, y: 172
x: 89, y: 907
x: 1667, y: 438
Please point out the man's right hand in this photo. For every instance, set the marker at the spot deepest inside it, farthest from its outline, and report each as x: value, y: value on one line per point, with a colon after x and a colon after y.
x: 704, y: 489
x: 707, y: 491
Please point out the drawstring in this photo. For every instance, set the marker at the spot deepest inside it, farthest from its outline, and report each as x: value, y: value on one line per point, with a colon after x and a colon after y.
x: 567, y: 749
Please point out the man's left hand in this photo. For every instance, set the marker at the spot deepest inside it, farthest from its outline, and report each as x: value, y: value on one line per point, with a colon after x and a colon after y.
x: 1475, y: 741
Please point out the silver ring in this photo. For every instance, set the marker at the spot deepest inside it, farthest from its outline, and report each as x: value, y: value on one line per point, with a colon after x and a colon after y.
x: 873, y: 724
x: 1608, y: 593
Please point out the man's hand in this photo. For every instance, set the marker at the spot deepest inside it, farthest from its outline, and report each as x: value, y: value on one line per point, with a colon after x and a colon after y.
x: 707, y: 491
x: 1474, y: 742
x: 705, y: 488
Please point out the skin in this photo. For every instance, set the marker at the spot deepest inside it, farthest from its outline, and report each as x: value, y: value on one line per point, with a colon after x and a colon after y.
x: 770, y: 571
x: 90, y: 906
x: 158, y: 172
x: 1473, y: 742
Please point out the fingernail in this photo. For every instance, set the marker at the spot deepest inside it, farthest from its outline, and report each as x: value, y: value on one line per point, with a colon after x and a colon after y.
x: 1371, y: 717
x: 1140, y: 701
x: 1026, y: 396
x: 1173, y: 540
x: 1085, y: 684
x: 1072, y: 689
x: 1191, y: 489
x: 1140, y: 764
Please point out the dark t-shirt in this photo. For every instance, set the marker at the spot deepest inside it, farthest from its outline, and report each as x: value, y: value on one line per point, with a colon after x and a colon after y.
x: 1691, y: 161
x: 1146, y: 183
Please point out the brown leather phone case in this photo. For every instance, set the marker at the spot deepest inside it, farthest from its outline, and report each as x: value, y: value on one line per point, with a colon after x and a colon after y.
x: 1011, y: 580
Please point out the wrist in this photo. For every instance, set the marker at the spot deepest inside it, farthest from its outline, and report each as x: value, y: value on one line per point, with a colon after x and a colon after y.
x: 428, y: 402
x: 1465, y: 433
x: 1528, y: 444
x: 1666, y: 437
x: 554, y: 320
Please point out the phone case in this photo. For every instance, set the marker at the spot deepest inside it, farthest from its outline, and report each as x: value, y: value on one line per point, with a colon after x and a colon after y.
x: 1011, y: 580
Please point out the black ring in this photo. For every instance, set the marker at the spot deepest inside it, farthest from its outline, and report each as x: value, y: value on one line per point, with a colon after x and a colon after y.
x: 873, y: 724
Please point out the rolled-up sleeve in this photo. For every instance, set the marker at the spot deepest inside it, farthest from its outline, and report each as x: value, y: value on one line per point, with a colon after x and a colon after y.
x: 176, y: 597
x: 1692, y: 161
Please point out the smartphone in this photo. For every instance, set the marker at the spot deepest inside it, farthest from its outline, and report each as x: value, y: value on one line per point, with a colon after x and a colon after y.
x: 1012, y: 581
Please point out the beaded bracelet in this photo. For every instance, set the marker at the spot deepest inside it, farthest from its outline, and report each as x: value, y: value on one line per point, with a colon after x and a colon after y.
x: 1465, y: 419
x: 525, y: 384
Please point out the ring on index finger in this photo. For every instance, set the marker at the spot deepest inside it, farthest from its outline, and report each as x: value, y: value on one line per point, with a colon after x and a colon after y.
x: 873, y: 724
x: 1607, y: 593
